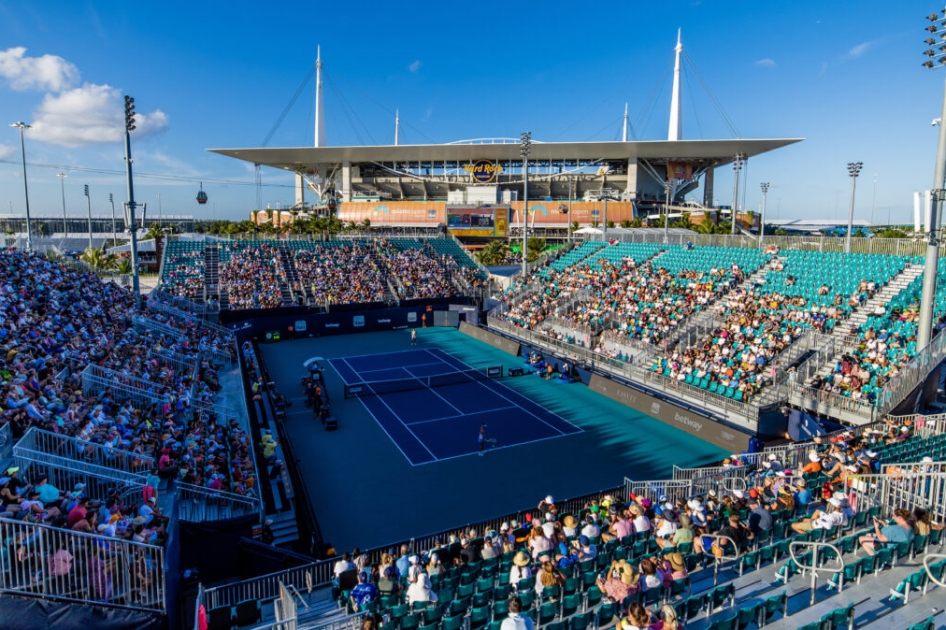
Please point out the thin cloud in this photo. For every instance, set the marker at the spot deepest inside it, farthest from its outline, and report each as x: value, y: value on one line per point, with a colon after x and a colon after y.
x: 824, y: 68
x: 765, y: 63
x: 414, y: 67
x: 47, y: 73
x: 90, y: 114
x: 6, y: 151
x: 860, y: 49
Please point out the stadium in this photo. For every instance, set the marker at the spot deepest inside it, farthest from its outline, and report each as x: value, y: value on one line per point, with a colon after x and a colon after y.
x: 346, y: 430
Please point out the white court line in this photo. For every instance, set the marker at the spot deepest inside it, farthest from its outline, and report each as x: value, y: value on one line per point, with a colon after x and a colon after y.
x: 463, y: 415
x: 379, y: 423
x: 497, y: 448
x: 443, y: 399
x: 406, y: 368
x: 383, y: 354
x: 511, y: 402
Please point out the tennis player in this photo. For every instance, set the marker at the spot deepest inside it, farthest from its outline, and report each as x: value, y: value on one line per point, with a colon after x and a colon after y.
x: 413, y: 336
x: 482, y: 439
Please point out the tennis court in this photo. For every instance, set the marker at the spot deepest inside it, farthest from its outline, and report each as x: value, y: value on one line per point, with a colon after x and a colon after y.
x: 431, y: 405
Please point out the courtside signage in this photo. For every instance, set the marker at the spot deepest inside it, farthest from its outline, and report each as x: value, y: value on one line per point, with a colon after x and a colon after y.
x: 674, y: 415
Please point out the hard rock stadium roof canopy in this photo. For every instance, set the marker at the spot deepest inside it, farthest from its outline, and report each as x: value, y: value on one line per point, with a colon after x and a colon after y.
x: 635, y: 170
x: 702, y: 152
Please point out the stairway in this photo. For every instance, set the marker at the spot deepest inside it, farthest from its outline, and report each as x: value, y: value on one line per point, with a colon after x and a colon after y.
x: 290, y: 273
x: 284, y: 527
x: 899, y: 282
x: 211, y: 271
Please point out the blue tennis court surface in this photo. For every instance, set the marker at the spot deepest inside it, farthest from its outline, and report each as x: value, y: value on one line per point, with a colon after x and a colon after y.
x: 430, y: 425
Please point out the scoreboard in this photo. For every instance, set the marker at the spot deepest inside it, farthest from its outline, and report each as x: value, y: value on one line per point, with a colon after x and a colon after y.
x: 477, y: 221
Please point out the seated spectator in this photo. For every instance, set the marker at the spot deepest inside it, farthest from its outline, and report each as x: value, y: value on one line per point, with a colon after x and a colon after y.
x: 898, y: 532
x: 420, y: 590
x: 619, y: 581
x: 364, y: 593
x: 832, y: 516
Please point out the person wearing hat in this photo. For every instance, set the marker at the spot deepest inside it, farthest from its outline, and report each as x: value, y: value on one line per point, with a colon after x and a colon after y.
x: 620, y: 581
x: 547, y: 505
x: 520, y: 568
x: 832, y: 516
x: 802, y: 494
x: 620, y: 527
x: 675, y: 564
x: 785, y: 500
x: 434, y: 566
x: 814, y: 463
x: 586, y: 550
x: 569, y: 526
x: 364, y: 593
x: 641, y: 522
x: 681, y: 536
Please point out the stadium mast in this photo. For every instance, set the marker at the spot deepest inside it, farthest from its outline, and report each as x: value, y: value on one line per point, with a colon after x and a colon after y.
x: 319, y: 105
x: 676, y: 122
x: 624, y: 135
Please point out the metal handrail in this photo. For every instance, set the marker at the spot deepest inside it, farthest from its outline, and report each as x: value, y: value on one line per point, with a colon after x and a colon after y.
x: 929, y: 572
x: 717, y: 560
x: 814, y: 568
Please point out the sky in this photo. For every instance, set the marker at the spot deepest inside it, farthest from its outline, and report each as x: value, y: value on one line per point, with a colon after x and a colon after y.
x: 846, y: 76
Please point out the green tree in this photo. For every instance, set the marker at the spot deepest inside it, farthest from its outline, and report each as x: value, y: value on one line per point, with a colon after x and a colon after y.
x: 575, y: 226
x: 892, y: 233
x: 626, y: 223
x: 97, y: 258
x: 494, y: 253
x: 534, y: 248
x: 610, y: 224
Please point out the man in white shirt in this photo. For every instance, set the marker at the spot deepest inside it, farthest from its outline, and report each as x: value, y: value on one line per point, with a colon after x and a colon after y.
x: 590, y: 529
x: 515, y: 620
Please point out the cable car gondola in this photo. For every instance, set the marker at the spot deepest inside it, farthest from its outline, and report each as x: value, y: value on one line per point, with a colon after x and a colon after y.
x: 202, y: 196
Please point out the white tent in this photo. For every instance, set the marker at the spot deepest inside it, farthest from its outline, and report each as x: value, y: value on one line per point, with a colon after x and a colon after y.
x: 143, y: 246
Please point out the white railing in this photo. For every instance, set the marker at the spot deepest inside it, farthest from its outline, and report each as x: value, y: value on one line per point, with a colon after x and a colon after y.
x: 143, y: 394
x: 197, y: 504
x: 59, y: 564
x: 52, y: 448
x: 902, y: 487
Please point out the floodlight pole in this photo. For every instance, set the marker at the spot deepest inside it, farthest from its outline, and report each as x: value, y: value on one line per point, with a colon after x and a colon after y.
x: 925, y: 326
x: 853, y: 169
x: 571, y: 194
x: 62, y: 189
x: 26, y: 191
x: 736, y: 167
x: 525, y: 148
x: 89, y: 200
x: 129, y: 126
x: 765, y: 191
x: 668, y: 186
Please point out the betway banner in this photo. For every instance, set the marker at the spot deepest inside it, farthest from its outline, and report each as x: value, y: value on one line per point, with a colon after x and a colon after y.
x: 685, y: 420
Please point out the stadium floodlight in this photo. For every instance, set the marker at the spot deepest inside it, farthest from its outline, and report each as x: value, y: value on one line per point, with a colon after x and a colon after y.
x: 525, y: 148
x: 26, y: 191
x: 853, y: 169
x: 927, y: 297
x: 130, y: 204
x: 736, y: 167
x: 765, y: 191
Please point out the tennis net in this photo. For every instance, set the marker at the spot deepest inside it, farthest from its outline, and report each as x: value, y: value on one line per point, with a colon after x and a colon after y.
x: 460, y: 377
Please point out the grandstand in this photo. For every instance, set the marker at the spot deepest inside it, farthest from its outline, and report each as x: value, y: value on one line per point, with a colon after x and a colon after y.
x: 267, y: 274
x: 95, y: 429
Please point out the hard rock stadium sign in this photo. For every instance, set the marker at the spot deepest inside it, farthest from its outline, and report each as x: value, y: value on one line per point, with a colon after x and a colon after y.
x: 483, y: 171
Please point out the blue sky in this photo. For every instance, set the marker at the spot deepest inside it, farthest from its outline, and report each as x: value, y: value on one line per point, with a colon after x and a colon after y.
x: 844, y: 75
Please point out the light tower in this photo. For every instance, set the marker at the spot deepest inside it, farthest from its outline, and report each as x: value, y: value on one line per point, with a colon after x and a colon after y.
x: 130, y: 205
x: 525, y: 147
x: 925, y: 326
x: 26, y: 191
x: 853, y: 169
x: 736, y: 167
x: 765, y: 191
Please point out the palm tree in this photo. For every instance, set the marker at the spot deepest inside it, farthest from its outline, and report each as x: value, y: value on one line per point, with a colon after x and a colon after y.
x: 626, y: 223
x: 494, y: 253
x: 97, y: 258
